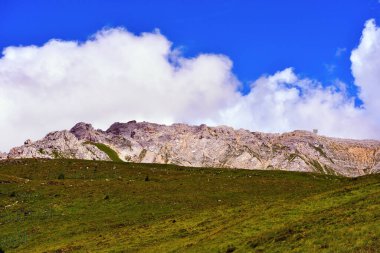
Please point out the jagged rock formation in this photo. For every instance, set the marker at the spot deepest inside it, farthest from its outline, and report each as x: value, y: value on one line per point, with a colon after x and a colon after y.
x: 203, y: 146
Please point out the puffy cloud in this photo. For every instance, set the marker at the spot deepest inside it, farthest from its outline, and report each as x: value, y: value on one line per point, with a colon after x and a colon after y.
x: 283, y: 102
x: 366, y: 69
x: 114, y: 76
x: 119, y: 76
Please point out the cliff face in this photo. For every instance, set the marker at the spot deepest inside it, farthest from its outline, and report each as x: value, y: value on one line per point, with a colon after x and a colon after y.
x: 203, y: 146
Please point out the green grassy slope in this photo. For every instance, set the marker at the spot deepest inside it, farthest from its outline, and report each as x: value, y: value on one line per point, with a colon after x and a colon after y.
x: 122, y: 207
x: 106, y: 149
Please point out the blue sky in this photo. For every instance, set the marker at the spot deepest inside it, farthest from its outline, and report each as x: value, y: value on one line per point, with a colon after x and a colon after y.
x: 269, y: 66
x: 259, y: 36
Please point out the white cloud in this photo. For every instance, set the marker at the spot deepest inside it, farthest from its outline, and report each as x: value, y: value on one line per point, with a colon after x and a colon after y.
x: 283, y: 102
x: 366, y: 69
x: 119, y: 76
x: 115, y: 76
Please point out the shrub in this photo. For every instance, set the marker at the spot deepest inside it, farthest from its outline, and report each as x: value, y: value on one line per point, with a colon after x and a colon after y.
x: 61, y: 176
x: 230, y: 249
x: 56, y: 154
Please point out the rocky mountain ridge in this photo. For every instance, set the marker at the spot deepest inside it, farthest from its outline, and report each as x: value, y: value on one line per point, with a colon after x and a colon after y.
x: 203, y: 146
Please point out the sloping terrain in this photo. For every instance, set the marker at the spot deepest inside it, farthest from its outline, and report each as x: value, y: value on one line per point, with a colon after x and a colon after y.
x: 203, y: 146
x: 92, y: 206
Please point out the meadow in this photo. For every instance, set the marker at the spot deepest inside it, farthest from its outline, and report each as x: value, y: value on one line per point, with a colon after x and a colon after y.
x: 93, y: 206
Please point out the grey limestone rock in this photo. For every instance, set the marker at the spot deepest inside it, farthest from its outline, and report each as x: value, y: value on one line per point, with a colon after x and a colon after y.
x: 204, y: 146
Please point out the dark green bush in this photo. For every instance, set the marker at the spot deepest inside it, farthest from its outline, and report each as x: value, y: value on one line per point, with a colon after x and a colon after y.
x: 230, y: 249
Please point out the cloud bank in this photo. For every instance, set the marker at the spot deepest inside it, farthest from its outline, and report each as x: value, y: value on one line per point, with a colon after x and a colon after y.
x: 119, y: 76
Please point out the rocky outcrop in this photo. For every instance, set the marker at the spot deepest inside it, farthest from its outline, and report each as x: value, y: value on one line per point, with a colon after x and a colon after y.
x: 3, y: 156
x: 203, y: 146
x: 62, y: 144
x: 85, y: 131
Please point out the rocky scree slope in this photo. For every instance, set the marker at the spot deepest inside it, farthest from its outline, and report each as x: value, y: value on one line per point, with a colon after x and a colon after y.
x: 203, y: 146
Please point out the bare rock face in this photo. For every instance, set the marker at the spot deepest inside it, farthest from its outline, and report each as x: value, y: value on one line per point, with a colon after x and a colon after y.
x: 85, y: 131
x: 203, y: 146
x: 3, y: 156
x: 62, y: 144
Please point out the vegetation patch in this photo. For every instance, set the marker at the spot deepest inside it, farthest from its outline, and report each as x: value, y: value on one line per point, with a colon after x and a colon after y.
x: 112, y: 154
x: 142, y: 154
x: 318, y: 167
x: 56, y: 154
x: 292, y: 157
x: 321, y: 152
x: 41, y: 151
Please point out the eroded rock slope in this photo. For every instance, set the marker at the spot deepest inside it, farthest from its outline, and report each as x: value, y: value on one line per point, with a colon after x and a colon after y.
x: 203, y: 146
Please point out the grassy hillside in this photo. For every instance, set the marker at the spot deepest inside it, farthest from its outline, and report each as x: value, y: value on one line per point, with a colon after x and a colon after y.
x: 112, y: 154
x: 122, y: 207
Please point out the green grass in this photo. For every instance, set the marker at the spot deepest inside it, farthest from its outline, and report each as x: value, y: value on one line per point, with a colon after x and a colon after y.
x: 110, y: 207
x: 106, y: 149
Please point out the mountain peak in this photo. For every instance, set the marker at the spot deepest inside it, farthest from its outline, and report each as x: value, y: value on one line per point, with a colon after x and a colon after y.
x: 123, y: 128
x: 84, y: 131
